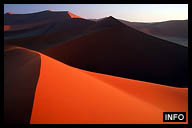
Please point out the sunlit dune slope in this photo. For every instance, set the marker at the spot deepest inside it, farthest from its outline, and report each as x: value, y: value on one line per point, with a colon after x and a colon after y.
x: 48, y: 91
x: 7, y: 27
x: 125, y: 52
x: 67, y: 95
x: 73, y: 15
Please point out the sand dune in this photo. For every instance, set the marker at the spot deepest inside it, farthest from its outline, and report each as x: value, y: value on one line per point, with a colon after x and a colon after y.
x: 89, y: 72
x: 10, y: 13
x: 16, y: 28
x: 41, y: 37
x: 73, y: 15
x: 126, y: 52
x: 175, y: 30
x: 51, y: 16
x: 21, y: 73
x: 64, y: 94
x: 34, y: 24
x: 7, y: 27
x: 67, y: 95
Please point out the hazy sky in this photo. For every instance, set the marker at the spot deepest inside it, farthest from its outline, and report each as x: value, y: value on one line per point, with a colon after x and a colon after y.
x: 130, y: 12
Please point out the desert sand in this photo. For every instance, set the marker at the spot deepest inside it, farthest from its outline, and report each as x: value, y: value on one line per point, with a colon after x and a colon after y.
x: 6, y: 27
x: 21, y: 73
x: 67, y: 95
x: 60, y: 68
x: 116, y: 49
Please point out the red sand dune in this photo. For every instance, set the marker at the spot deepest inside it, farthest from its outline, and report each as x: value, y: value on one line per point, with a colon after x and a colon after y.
x: 73, y: 15
x: 10, y: 13
x: 7, y: 27
x: 21, y: 73
x: 67, y: 95
x: 63, y: 94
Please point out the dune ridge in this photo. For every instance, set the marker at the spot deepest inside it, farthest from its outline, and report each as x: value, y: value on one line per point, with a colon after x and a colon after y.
x: 83, y: 97
x: 21, y: 74
x: 134, y: 54
x: 60, y: 68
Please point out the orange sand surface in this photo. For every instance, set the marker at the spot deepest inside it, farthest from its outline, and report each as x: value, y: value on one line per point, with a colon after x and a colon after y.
x: 73, y: 15
x: 10, y: 13
x: 7, y: 27
x: 67, y: 95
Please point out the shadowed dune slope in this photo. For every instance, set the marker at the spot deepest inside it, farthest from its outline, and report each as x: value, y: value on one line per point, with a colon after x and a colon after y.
x: 35, y: 24
x: 20, y: 19
x: 67, y: 95
x: 49, y: 34
x: 126, y: 52
x: 173, y: 28
x: 21, y: 73
x: 16, y: 28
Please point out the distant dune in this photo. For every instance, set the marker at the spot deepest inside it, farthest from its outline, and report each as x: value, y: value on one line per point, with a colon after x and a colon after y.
x: 51, y: 16
x: 43, y: 36
x: 29, y: 25
x: 126, y: 52
x: 168, y: 30
x: 73, y: 15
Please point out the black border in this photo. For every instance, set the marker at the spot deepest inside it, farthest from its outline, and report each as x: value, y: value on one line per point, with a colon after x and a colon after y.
x: 106, y: 2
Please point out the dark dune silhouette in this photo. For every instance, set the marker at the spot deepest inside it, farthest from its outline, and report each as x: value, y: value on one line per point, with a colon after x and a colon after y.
x: 126, y: 52
x: 175, y: 28
x: 45, y: 36
x: 28, y: 25
x: 48, y: 16
x: 21, y: 73
x: 108, y: 22
x: 168, y: 30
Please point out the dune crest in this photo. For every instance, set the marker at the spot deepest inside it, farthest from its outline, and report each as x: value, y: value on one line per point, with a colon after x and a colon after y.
x: 73, y: 15
x: 68, y: 95
x: 10, y: 13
